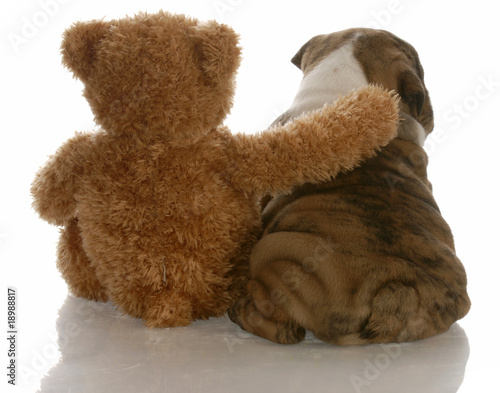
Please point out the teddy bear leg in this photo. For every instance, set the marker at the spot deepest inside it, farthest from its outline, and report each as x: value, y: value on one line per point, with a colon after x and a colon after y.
x: 167, y: 310
x: 75, y: 266
x: 141, y: 291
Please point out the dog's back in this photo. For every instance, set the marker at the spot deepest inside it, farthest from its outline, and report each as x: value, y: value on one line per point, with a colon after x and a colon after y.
x: 364, y: 258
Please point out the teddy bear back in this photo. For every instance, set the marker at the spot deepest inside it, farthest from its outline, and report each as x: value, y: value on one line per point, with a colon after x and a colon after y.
x: 173, y: 209
x: 154, y: 73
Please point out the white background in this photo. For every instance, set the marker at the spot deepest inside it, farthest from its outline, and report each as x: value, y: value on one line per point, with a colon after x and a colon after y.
x: 41, y: 106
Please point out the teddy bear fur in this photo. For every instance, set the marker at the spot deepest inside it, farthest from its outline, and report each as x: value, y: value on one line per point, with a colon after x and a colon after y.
x: 158, y: 208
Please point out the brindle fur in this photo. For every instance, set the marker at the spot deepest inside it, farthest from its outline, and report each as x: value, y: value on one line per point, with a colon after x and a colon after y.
x: 366, y: 257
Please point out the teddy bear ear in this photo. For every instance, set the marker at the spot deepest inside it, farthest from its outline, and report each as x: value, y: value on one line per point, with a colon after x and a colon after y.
x: 79, y: 46
x: 218, y: 50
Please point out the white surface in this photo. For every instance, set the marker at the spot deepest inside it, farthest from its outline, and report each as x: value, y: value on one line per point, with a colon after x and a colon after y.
x: 90, y: 348
x: 99, y: 348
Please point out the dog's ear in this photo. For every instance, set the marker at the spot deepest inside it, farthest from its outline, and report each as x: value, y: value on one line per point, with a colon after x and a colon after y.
x: 79, y: 46
x: 297, y: 59
x: 411, y: 88
x: 412, y: 91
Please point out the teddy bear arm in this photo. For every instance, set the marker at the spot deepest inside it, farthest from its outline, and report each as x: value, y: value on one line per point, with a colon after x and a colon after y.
x: 56, y: 183
x: 317, y: 145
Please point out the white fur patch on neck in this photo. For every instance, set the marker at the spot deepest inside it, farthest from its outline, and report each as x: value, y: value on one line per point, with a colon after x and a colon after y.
x: 336, y: 75
x: 411, y: 130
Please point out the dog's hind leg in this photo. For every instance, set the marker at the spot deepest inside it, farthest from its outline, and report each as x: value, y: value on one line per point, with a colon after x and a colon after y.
x: 256, y: 314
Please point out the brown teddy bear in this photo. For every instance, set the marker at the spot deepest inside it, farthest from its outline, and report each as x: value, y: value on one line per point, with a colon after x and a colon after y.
x: 159, y: 208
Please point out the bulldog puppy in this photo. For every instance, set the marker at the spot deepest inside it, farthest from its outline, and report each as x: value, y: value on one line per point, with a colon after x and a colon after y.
x: 366, y: 257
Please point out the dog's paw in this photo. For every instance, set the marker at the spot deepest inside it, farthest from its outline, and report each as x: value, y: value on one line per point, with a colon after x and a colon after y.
x: 246, y: 315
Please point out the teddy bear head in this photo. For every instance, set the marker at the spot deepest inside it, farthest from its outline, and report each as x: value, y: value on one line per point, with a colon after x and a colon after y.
x: 154, y: 73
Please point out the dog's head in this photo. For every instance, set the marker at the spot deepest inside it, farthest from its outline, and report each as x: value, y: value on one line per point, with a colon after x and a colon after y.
x: 385, y: 59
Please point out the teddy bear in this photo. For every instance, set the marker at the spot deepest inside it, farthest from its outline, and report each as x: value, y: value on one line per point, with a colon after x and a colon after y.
x: 159, y: 207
